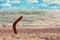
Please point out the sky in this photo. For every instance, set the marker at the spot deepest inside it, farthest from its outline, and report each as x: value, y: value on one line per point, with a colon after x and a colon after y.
x: 29, y: 4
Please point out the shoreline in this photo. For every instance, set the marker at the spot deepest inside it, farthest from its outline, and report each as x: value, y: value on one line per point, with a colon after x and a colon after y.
x: 46, y: 30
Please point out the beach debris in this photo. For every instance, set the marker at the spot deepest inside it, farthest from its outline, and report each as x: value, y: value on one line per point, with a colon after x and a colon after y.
x: 4, y: 25
x: 14, y: 24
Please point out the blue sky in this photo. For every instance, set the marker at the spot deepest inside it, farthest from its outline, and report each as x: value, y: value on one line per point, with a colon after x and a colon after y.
x: 29, y: 4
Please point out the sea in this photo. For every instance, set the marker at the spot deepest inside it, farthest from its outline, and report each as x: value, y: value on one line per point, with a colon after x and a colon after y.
x: 31, y: 18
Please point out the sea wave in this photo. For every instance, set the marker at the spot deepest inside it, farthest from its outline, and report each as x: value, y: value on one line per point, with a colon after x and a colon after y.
x: 30, y: 19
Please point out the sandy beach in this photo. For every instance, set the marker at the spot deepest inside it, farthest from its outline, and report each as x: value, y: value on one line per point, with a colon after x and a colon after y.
x: 35, y: 25
x: 6, y: 33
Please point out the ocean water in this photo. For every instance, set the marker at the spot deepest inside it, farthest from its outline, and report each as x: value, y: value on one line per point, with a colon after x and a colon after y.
x: 30, y: 18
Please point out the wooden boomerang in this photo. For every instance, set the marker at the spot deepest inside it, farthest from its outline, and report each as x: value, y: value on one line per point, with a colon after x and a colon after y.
x: 14, y: 24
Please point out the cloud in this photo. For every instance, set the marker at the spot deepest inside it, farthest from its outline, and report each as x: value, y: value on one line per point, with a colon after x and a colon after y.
x: 15, y: 1
x: 6, y: 4
x: 56, y: 2
x: 2, y: 0
x: 7, y: 1
x: 42, y: 4
x: 52, y: 4
x: 33, y: 1
x: 54, y: 7
x: 51, y: 1
x: 30, y: 4
x: 46, y: 0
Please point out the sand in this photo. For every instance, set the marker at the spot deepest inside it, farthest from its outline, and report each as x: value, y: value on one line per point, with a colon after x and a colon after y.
x: 6, y: 33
